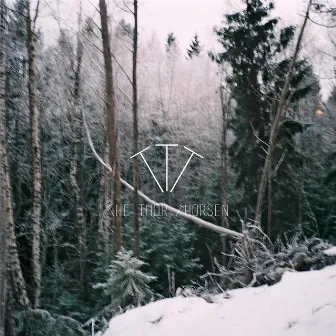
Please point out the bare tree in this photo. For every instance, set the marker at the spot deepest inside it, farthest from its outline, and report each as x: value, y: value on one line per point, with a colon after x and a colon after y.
x: 112, y: 138
x: 75, y: 117
x: 224, y: 167
x: 277, y: 123
x: 136, y: 176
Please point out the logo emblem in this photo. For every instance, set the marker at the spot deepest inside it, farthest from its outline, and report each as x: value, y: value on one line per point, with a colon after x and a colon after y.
x: 193, y: 153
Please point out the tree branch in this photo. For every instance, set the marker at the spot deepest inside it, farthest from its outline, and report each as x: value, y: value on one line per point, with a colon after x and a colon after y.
x: 196, y: 220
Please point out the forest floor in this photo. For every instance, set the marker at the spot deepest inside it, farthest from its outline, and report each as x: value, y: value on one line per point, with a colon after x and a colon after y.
x: 301, y: 304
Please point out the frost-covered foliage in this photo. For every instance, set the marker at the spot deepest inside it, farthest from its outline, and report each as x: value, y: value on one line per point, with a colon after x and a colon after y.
x: 255, y: 261
x: 126, y: 285
x: 41, y: 323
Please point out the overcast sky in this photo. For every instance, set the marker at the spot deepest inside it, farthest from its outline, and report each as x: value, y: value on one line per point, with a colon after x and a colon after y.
x: 183, y: 17
x: 187, y: 17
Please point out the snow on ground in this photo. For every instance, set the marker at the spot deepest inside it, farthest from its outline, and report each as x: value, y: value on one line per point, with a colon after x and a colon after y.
x: 302, y: 304
x: 331, y: 251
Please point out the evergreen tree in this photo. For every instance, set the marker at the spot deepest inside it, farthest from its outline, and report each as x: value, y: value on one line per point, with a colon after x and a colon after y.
x: 331, y: 109
x: 171, y: 42
x: 195, y: 47
x: 126, y: 285
x: 251, y: 49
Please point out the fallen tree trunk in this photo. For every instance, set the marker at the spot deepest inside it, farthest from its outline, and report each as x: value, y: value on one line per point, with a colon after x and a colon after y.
x: 194, y: 219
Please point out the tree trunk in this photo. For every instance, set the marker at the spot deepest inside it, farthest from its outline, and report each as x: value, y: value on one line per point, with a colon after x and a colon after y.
x: 3, y: 267
x: 10, y: 327
x: 17, y: 283
x: 269, y: 208
x: 36, y: 163
x: 136, y: 177
x: 276, y: 124
x: 14, y: 271
x: 224, y: 219
x: 3, y: 251
x: 112, y: 137
x: 105, y: 194
x: 55, y: 265
x: 75, y: 117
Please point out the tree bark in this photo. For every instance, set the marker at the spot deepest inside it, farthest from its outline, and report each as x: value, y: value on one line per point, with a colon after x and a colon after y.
x: 14, y: 272
x: 277, y: 122
x: 269, y: 207
x: 224, y: 219
x: 75, y: 117
x: 3, y: 267
x: 136, y: 177
x: 105, y: 193
x: 3, y: 251
x: 36, y: 163
x: 112, y: 137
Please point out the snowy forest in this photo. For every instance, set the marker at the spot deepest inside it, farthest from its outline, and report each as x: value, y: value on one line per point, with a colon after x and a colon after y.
x: 133, y: 170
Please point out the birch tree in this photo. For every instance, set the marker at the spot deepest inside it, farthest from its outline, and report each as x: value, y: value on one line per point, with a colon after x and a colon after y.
x: 36, y: 160
x: 14, y: 274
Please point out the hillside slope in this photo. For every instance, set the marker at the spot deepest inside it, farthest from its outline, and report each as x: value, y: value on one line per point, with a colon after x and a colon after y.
x: 302, y: 304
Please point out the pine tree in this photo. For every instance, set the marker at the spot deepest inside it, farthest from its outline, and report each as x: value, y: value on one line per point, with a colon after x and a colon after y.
x: 195, y: 48
x: 251, y: 47
x: 171, y: 42
x: 126, y: 285
x: 331, y: 109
